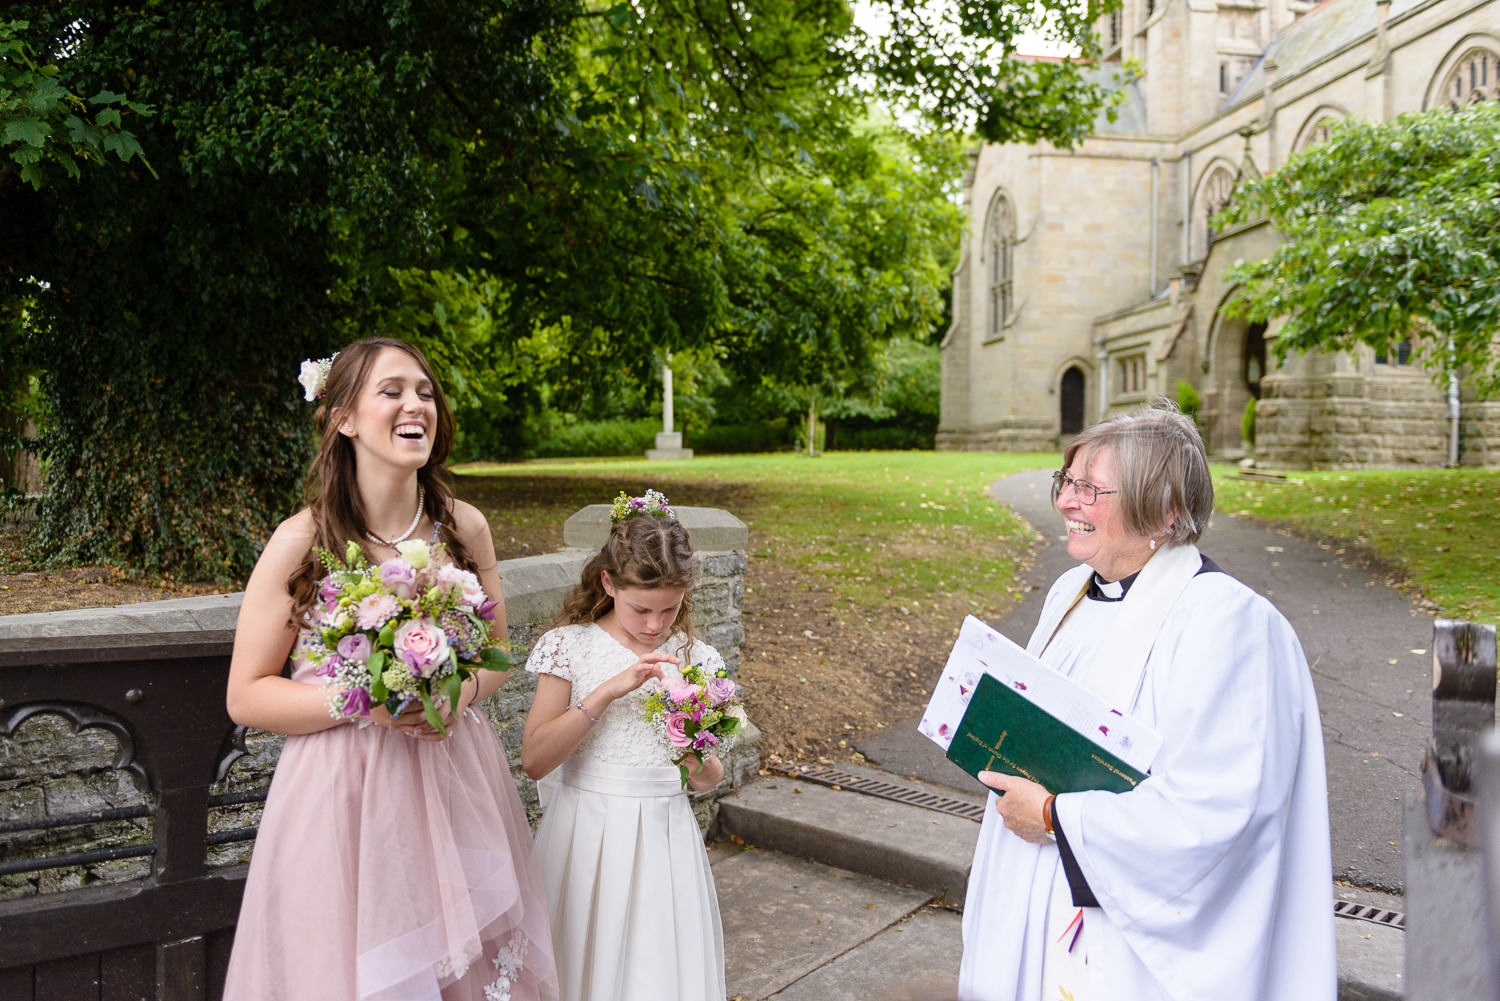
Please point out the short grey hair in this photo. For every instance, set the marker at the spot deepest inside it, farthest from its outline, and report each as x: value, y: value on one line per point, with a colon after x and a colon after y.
x: 1162, y: 468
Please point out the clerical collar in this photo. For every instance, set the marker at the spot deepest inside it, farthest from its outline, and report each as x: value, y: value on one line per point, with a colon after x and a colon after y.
x: 1103, y: 590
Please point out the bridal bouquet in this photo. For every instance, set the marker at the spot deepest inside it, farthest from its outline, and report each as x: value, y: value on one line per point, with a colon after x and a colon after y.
x: 696, y: 714
x: 410, y: 629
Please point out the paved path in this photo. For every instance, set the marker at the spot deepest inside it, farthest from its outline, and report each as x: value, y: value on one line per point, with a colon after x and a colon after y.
x: 1368, y: 646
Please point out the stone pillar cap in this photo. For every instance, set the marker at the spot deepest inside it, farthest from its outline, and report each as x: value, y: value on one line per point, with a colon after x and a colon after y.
x: 712, y: 529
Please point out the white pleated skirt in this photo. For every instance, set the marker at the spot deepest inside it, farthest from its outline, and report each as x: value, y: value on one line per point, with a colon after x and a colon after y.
x: 633, y: 909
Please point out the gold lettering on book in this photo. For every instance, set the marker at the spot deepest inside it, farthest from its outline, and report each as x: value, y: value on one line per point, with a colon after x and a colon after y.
x: 1111, y: 768
x: 995, y: 755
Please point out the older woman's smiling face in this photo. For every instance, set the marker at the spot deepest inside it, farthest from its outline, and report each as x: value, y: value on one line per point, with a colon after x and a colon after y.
x: 1096, y: 532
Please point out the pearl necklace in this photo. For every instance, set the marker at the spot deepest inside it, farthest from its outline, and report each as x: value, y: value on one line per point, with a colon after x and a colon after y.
x: 415, y: 520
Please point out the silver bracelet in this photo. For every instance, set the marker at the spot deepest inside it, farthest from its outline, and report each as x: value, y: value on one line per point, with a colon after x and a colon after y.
x: 581, y: 708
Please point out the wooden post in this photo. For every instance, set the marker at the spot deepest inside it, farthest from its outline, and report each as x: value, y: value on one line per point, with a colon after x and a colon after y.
x: 1448, y: 951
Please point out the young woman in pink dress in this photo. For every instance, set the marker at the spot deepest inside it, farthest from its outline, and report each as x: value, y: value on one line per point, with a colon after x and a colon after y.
x: 393, y: 862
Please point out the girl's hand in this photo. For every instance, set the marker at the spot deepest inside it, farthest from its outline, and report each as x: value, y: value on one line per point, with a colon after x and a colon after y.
x: 637, y: 674
x: 1020, y: 804
x: 412, y: 721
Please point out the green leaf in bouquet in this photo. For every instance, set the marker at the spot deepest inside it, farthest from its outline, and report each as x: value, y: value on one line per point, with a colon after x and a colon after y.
x: 377, y: 663
x: 492, y: 658
x: 730, y: 727
x: 682, y: 770
x: 388, y: 634
x: 430, y: 711
x: 454, y: 684
x: 378, y: 691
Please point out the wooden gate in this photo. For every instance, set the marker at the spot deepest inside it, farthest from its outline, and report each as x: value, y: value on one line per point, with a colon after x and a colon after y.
x: 166, y: 935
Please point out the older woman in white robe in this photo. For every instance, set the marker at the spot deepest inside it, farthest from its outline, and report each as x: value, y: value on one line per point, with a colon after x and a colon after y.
x: 1211, y: 879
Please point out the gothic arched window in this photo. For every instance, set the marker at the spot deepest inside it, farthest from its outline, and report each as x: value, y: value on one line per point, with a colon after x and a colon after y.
x: 1000, y: 249
x: 1475, y: 78
x: 1317, y: 130
x: 1213, y: 195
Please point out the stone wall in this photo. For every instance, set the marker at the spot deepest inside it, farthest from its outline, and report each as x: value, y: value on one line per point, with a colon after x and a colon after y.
x: 1378, y: 419
x: 47, y: 770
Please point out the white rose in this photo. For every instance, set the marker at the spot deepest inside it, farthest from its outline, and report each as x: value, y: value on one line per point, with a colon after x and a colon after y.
x: 311, y: 377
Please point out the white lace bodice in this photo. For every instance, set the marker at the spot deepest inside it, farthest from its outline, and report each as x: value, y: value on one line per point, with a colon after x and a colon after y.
x: 586, y: 656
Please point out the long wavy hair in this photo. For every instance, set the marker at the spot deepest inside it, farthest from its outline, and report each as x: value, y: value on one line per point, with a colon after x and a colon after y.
x: 332, y: 492
x: 643, y: 551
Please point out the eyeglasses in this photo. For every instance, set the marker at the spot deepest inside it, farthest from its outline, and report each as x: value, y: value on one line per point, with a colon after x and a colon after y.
x: 1085, y: 491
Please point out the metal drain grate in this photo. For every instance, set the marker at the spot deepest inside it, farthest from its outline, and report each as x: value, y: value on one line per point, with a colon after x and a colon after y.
x: 894, y: 791
x: 1375, y: 915
x: 915, y: 796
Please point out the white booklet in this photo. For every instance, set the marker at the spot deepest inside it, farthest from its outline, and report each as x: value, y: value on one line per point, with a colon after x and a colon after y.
x: 981, y: 649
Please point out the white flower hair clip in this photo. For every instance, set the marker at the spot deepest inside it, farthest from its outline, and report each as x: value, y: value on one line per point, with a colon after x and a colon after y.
x: 314, y: 376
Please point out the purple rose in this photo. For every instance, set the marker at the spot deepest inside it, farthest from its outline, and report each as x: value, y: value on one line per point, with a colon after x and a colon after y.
x: 357, y: 702
x: 398, y: 575
x: 355, y: 648
x: 719, y: 691
x: 423, y: 645
x: 677, y: 729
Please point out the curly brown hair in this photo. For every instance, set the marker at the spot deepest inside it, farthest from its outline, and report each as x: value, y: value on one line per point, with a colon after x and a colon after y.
x: 642, y: 551
x: 338, y: 516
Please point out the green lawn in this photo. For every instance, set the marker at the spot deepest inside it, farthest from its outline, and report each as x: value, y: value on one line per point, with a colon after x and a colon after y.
x: 881, y: 529
x: 1439, y: 527
x: 877, y: 529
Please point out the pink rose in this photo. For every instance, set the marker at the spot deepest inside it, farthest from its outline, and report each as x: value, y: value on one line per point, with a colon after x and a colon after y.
x: 375, y: 611
x: 677, y: 729
x: 681, y: 692
x: 423, y: 645
x: 719, y: 691
x: 355, y: 647
x: 463, y: 584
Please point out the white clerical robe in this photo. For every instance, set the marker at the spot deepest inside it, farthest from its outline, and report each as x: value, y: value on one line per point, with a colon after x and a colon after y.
x: 1213, y: 875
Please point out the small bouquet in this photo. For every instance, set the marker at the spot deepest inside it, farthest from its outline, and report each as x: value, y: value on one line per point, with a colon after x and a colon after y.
x: 696, y: 714
x: 411, y: 628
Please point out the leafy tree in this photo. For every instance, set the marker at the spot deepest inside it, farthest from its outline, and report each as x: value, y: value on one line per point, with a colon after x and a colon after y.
x: 1389, y: 233
x: 303, y: 154
x: 953, y: 63
x: 46, y: 129
x: 545, y: 194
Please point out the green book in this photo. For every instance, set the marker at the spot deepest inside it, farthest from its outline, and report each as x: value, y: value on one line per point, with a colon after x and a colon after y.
x: 1002, y: 731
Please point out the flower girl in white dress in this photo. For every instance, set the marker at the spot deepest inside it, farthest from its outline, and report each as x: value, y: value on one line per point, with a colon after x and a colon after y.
x: 633, y: 910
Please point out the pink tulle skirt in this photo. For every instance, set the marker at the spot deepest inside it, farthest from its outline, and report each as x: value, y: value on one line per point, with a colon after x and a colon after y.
x: 392, y: 868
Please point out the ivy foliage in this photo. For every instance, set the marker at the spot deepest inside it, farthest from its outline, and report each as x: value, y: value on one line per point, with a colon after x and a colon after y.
x: 1389, y: 234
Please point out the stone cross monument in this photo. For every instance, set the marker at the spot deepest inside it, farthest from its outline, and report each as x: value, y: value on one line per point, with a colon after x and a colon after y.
x: 668, y: 442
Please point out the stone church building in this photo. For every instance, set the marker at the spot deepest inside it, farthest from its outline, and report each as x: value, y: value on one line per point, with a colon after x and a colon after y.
x: 1090, y: 278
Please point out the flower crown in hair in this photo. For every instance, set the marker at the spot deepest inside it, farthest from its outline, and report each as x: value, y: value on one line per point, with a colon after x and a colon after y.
x: 628, y: 507
x: 314, y: 376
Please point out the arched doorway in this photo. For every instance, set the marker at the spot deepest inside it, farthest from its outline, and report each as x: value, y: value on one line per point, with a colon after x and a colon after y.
x: 1070, y: 401
x: 1239, y: 364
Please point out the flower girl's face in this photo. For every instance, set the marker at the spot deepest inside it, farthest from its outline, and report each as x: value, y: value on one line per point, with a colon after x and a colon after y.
x: 395, y: 414
x: 646, y: 614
